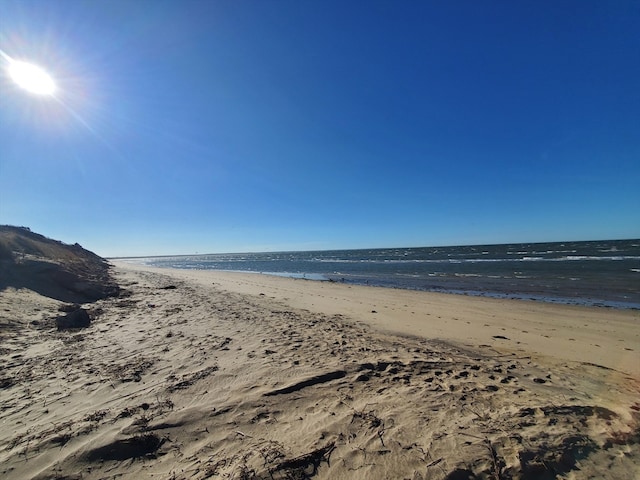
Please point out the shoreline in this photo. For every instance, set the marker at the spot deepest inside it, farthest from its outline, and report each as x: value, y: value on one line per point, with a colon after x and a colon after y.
x: 530, y: 297
x: 600, y: 335
x: 590, y: 273
x: 373, y: 282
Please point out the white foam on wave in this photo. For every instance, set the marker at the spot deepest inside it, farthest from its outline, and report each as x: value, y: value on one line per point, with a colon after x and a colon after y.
x: 609, y: 258
x: 306, y: 276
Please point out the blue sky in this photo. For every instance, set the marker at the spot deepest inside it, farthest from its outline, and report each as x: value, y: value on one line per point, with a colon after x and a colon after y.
x: 225, y: 126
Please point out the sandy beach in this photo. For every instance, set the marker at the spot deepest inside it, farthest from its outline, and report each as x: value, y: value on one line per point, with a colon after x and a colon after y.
x: 207, y: 374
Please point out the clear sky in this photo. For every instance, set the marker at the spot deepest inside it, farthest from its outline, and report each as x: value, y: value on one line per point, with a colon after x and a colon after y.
x: 256, y: 125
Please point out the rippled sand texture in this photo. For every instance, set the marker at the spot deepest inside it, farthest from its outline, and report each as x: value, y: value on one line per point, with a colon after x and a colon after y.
x: 211, y: 375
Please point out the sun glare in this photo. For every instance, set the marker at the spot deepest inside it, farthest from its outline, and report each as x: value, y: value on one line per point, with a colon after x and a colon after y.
x: 31, y: 78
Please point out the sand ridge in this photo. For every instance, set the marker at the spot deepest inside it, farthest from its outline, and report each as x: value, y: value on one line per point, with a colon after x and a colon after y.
x: 186, y: 377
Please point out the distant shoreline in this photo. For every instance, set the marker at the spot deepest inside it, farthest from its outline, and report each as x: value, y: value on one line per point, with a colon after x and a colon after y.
x: 466, y: 293
x: 589, y: 273
x: 461, y: 319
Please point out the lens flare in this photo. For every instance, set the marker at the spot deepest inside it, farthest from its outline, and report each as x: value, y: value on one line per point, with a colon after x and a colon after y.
x: 31, y: 78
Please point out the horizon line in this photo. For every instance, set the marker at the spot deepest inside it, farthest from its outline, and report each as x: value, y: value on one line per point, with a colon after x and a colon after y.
x: 124, y: 257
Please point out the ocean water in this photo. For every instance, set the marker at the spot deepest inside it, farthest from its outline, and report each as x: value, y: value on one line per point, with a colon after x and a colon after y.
x: 601, y: 273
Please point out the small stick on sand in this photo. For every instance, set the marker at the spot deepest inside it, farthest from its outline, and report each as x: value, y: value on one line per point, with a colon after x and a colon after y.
x: 497, y: 471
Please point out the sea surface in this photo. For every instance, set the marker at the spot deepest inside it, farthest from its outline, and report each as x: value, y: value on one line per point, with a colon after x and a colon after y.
x: 601, y: 273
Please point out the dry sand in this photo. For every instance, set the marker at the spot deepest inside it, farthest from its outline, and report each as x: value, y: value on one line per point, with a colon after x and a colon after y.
x: 203, y: 374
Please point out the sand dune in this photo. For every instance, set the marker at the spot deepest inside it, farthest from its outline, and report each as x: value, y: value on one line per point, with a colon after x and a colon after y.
x: 217, y: 375
x: 51, y: 268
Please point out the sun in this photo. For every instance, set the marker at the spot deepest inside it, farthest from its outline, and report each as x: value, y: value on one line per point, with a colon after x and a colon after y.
x: 31, y: 78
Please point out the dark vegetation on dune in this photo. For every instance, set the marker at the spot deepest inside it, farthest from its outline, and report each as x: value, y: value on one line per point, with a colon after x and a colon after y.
x: 68, y: 273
